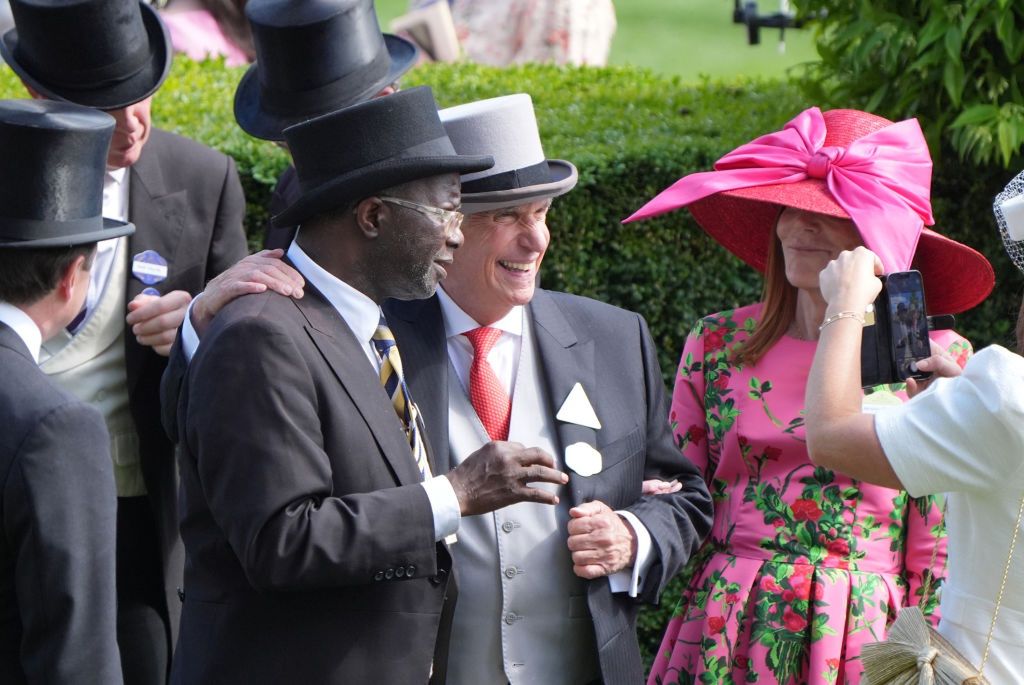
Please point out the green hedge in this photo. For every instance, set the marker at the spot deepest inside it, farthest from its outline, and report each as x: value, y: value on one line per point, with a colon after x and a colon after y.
x: 631, y: 133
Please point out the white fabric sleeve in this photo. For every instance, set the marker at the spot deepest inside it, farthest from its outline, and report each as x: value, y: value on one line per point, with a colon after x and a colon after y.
x: 962, y: 434
x: 630, y: 579
x: 445, y: 505
x: 189, y: 338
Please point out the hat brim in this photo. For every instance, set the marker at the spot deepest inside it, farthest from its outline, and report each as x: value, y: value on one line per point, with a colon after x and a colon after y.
x: 956, y: 276
x: 563, y: 175
x: 365, y: 181
x: 112, y: 228
x: 121, y: 94
x: 255, y: 120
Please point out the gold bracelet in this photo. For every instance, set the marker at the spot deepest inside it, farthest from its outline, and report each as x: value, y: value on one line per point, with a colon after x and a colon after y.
x: 842, y: 315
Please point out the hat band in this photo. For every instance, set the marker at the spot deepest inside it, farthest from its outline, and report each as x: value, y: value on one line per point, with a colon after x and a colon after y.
x: 435, y: 147
x: 24, y: 230
x: 533, y: 175
x: 86, y: 79
x: 290, y: 102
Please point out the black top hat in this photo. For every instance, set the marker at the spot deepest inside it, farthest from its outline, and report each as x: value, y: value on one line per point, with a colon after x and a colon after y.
x: 51, y: 175
x: 105, y: 54
x: 312, y: 58
x: 349, y: 154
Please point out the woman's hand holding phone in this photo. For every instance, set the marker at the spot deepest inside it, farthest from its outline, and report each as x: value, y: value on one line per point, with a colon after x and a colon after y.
x: 850, y: 281
x: 940, y: 365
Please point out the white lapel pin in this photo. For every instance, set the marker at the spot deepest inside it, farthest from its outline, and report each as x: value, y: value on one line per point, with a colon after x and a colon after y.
x: 583, y: 459
x: 577, y: 409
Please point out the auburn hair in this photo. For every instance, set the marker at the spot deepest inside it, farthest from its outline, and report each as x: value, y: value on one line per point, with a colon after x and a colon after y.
x: 778, y: 311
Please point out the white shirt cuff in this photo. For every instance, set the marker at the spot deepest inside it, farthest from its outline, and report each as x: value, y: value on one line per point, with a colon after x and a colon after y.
x: 630, y: 579
x: 189, y: 338
x: 444, y: 504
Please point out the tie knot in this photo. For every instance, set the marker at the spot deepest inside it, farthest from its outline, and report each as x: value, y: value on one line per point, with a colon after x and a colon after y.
x: 483, y: 340
x: 383, y: 338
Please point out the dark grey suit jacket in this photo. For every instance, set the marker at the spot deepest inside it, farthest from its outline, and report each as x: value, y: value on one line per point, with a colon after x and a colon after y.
x: 610, y: 351
x: 310, y: 544
x: 186, y: 202
x: 57, y: 510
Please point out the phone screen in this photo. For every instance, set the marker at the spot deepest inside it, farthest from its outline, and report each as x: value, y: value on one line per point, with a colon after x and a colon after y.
x: 908, y: 320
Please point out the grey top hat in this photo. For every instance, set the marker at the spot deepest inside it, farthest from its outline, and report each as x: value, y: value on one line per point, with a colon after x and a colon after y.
x: 105, y: 54
x: 51, y: 175
x: 505, y: 128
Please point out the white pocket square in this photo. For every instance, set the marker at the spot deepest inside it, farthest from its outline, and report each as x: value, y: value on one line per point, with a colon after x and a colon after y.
x: 577, y: 409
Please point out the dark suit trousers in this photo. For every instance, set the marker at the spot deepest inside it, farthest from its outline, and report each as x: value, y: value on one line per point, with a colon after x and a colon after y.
x: 143, y: 629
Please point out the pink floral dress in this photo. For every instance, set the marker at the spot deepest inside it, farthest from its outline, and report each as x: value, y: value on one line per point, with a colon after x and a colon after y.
x: 803, y: 565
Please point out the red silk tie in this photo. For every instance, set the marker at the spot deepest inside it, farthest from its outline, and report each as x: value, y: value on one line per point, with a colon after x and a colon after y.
x: 485, y: 392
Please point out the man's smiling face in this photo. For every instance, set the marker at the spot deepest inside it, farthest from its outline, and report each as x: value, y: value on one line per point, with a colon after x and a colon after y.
x: 496, y: 267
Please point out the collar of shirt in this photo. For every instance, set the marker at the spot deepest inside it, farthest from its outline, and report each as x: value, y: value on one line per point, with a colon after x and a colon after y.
x: 23, y: 325
x: 357, y: 310
x: 115, y: 194
x: 504, y: 356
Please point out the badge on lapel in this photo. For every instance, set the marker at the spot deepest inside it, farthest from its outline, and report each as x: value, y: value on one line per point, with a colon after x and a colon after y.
x: 149, y: 267
x: 581, y: 457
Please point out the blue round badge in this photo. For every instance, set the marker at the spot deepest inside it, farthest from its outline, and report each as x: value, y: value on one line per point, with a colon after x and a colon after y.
x: 149, y: 267
x: 151, y: 291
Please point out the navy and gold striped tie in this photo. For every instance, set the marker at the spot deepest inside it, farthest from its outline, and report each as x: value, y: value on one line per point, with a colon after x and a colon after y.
x: 393, y: 380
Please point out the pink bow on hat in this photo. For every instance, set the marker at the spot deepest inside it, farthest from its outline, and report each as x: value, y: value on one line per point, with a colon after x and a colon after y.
x: 882, y: 179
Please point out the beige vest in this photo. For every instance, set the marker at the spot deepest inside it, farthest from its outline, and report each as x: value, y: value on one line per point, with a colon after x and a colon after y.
x: 90, y: 365
x: 522, y: 615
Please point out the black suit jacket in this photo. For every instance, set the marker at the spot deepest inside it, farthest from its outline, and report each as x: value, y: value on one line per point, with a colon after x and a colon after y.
x: 186, y: 202
x: 610, y: 351
x: 57, y: 509
x: 310, y: 544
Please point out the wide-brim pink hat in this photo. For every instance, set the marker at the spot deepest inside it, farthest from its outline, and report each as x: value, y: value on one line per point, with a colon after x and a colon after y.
x: 956, y: 276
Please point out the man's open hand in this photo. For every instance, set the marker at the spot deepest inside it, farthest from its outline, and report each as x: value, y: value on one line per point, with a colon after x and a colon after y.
x: 497, y: 474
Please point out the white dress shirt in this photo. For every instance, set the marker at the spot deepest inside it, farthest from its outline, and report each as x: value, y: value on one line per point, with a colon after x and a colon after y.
x: 504, y: 360
x: 115, y: 206
x: 362, y: 316
x: 23, y: 325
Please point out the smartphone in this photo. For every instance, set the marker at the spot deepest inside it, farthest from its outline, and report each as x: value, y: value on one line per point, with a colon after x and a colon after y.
x: 898, y: 339
x: 908, y: 323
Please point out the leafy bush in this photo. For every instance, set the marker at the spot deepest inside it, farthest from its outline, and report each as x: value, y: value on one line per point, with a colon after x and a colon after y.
x: 955, y: 65
x: 631, y: 134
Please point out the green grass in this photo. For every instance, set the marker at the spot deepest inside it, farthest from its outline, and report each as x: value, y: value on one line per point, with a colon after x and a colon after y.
x: 688, y: 38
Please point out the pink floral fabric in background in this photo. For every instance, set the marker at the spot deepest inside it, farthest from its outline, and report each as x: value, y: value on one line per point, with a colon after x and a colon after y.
x: 502, y: 32
x: 803, y: 565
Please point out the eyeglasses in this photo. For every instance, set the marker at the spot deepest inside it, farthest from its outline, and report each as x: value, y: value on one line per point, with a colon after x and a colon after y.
x: 451, y: 219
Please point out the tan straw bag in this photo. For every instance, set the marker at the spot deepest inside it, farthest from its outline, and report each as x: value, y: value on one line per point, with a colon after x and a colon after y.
x: 915, y: 654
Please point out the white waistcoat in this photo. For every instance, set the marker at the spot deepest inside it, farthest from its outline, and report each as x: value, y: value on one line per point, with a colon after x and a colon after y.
x: 521, y: 615
x: 90, y: 365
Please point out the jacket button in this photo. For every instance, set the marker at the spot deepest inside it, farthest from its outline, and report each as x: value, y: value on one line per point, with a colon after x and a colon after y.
x: 410, y: 571
x: 511, y: 572
x: 400, y: 572
x: 439, y: 577
x: 181, y: 594
x: 389, y: 574
x: 511, y: 618
x: 379, y: 575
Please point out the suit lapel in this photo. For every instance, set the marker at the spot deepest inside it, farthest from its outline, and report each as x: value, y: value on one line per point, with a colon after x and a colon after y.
x: 158, y: 215
x: 159, y: 219
x: 344, y: 355
x: 419, y: 332
x: 565, y: 361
